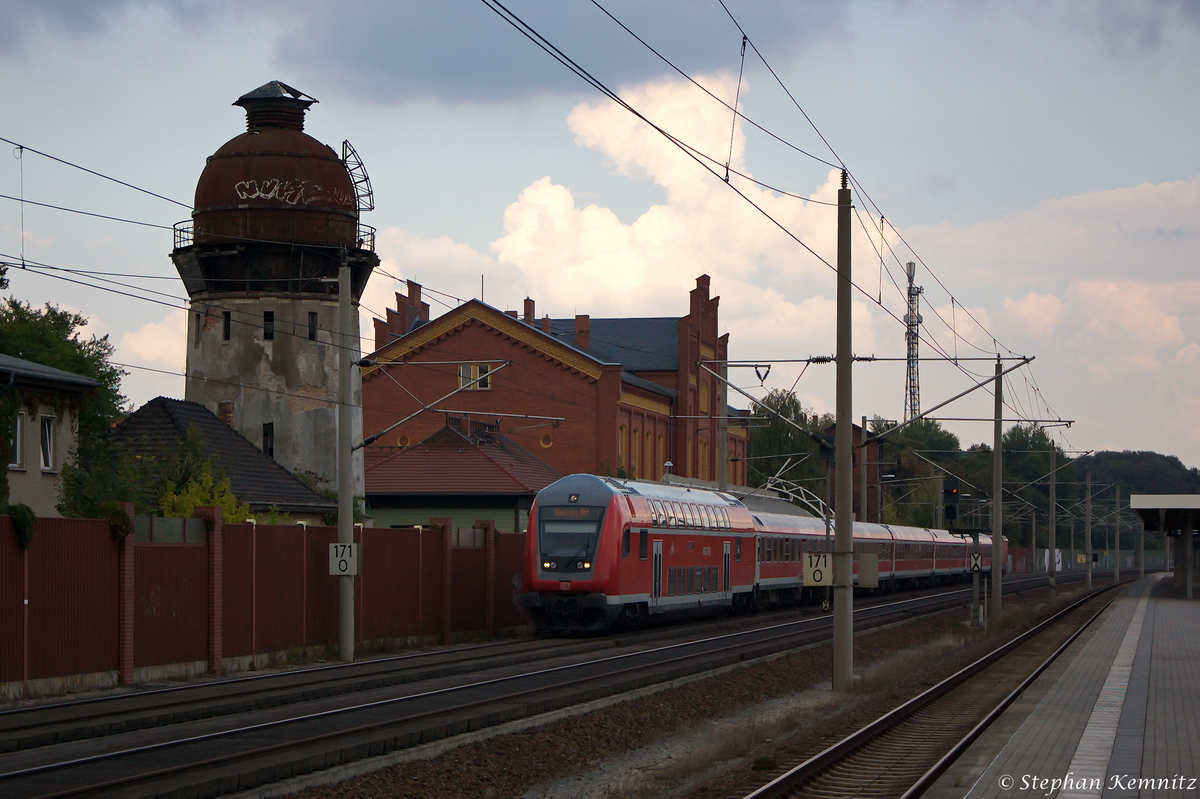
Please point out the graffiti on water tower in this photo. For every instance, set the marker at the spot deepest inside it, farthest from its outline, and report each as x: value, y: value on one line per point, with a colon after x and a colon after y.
x: 292, y: 192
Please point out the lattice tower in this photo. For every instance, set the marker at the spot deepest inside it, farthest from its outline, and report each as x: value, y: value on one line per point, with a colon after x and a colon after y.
x: 912, y: 321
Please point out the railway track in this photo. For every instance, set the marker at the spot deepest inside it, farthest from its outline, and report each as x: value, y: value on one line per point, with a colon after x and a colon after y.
x: 226, y: 736
x: 903, y: 752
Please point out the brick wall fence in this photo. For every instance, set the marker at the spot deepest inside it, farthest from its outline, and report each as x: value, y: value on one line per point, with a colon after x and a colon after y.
x: 81, y: 610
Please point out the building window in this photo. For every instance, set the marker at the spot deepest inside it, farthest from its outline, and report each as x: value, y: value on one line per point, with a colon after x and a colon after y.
x: 468, y: 372
x: 48, y: 425
x: 226, y: 323
x: 312, y: 325
x: 269, y: 439
x: 199, y: 329
x: 16, y: 455
x: 268, y: 325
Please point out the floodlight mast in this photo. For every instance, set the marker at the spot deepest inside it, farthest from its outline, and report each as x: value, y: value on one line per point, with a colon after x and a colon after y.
x: 912, y: 337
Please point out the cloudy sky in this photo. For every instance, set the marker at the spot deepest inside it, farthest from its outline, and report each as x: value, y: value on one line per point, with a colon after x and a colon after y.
x: 1038, y: 160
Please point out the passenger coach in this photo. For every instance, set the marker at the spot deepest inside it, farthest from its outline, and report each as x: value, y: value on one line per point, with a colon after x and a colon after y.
x: 602, y: 552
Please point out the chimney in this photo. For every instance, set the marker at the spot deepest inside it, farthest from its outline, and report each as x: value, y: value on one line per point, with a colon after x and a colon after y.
x: 528, y: 311
x: 513, y: 314
x: 225, y: 412
x: 583, y: 326
x: 546, y: 324
x: 414, y: 294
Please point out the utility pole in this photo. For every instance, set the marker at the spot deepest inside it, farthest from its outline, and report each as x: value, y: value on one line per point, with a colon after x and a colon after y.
x: 843, y: 544
x: 862, y: 471
x: 997, y: 607
x: 1117, y: 538
x: 1087, y: 535
x: 1053, y: 521
x: 345, y: 463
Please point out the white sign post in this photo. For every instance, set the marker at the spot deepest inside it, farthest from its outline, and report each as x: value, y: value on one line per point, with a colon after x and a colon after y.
x: 343, y: 560
x: 817, y: 569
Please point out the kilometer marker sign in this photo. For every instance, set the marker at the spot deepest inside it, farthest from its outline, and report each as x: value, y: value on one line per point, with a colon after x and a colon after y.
x: 817, y: 569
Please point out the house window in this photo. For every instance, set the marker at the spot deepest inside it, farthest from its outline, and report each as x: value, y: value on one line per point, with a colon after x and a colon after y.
x: 468, y: 372
x: 226, y: 323
x: 268, y: 325
x: 312, y: 325
x: 199, y: 329
x: 269, y: 439
x: 48, y: 426
x: 16, y: 455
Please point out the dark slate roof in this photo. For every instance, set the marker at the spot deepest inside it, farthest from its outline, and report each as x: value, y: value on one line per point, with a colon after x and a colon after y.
x: 452, y: 462
x: 648, y: 385
x: 160, y: 424
x: 645, y: 344
x: 30, y: 373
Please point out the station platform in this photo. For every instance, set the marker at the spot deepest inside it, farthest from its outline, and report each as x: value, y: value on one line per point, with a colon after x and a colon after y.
x: 1117, y: 715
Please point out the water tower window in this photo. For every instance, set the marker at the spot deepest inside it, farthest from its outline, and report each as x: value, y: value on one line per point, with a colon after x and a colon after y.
x: 226, y: 322
x: 269, y: 439
x: 312, y: 325
x: 268, y: 325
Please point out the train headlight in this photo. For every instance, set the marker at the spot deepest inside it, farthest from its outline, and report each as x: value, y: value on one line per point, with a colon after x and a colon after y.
x: 553, y: 564
x: 587, y: 565
x: 546, y: 565
x: 579, y: 565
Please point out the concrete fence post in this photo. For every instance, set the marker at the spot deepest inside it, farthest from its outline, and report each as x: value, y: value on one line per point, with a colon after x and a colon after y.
x: 125, y: 615
x: 214, y: 521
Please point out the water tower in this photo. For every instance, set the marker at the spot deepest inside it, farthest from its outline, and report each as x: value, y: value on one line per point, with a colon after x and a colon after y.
x: 276, y: 213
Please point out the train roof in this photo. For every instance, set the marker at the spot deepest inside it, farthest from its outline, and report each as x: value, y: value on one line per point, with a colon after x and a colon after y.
x: 593, y: 484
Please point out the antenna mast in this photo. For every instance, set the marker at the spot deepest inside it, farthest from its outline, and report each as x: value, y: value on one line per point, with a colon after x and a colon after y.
x: 912, y: 320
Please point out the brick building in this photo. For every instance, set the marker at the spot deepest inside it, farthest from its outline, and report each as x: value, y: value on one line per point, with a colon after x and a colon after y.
x: 604, y: 396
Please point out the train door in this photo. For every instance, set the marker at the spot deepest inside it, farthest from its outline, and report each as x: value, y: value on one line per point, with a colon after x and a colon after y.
x: 758, y: 556
x: 725, y: 567
x: 656, y: 579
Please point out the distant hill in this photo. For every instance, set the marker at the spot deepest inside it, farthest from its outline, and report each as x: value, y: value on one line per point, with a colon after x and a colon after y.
x: 1139, y: 472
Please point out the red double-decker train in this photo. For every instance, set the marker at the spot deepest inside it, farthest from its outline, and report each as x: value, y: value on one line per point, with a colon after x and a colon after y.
x: 602, y: 552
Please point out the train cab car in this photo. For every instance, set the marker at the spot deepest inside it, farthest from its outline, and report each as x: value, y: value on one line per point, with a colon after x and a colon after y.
x: 601, y: 552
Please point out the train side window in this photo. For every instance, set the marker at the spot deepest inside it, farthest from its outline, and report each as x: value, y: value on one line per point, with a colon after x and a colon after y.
x: 710, y: 520
x: 737, y: 549
x: 691, y: 581
x: 787, y: 549
x: 676, y: 515
x: 643, y: 544
x: 703, y: 579
x: 671, y: 581
x: 625, y: 543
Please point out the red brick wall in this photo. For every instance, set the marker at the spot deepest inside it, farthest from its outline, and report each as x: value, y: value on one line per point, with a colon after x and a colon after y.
x: 532, y: 385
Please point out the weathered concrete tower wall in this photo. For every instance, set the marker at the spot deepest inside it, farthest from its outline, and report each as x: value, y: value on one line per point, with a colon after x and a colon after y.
x: 276, y: 213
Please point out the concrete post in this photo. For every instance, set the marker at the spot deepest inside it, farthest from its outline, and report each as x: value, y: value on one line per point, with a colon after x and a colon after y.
x: 1117, y: 538
x: 1189, y: 556
x: 843, y: 545
x: 345, y: 461
x: 489, y: 548
x: 1087, y: 534
x: 1053, y: 521
x: 997, y: 608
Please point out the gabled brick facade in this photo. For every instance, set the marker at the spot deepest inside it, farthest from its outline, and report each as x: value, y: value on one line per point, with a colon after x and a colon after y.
x: 623, y: 396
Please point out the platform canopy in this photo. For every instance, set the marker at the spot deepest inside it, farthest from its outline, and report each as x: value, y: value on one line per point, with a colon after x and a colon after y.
x: 1177, y: 507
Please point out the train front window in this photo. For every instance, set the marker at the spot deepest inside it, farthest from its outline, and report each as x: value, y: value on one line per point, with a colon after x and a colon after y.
x: 569, y: 533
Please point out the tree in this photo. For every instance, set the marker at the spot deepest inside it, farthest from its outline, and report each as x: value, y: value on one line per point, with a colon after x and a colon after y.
x: 912, y: 497
x: 199, y: 491
x: 777, y: 448
x: 53, y: 337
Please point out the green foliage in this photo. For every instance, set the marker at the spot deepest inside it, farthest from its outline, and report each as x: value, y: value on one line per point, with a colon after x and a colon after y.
x: 1139, y: 472
x: 777, y: 449
x: 118, y: 520
x: 313, y: 481
x: 200, y: 491
x: 52, y: 337
x: 24, y: 520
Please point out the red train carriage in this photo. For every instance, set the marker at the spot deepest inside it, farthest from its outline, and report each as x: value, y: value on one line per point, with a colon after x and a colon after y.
x: 602, y: 551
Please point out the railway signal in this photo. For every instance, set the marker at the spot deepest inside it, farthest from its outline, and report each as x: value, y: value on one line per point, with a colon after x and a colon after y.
x: 950, y: 496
